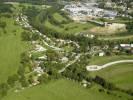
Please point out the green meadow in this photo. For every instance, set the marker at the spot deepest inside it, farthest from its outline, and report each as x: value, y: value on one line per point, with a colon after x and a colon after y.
x: 106, y: 59
x: 63, y: 90
x: 11, y: 47
x: 120, y: 75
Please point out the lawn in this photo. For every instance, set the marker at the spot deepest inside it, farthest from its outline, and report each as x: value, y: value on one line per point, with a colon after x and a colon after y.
x: 11, y: 47
x: 106, y: 59
x: 121, y: 75
x: 63, y: 90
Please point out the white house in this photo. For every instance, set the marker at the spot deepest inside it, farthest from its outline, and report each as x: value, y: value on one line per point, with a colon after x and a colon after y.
x: 101, y: 54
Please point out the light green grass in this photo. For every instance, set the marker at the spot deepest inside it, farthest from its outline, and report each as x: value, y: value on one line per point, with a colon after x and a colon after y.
x: 121, y: 75
x: 11, y: 47
x: 62, y: 90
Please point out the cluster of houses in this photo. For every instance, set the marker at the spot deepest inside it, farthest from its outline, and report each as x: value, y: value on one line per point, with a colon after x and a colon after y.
x: 127, y: 47
x: 121, y: 48
x: 87, y: 11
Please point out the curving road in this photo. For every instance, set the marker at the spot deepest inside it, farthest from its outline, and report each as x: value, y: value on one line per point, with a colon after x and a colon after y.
x: 70, y: 63
x: 96, y: 67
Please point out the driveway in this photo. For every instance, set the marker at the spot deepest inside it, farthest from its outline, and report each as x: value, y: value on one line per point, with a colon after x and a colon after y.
x: 96, y: 67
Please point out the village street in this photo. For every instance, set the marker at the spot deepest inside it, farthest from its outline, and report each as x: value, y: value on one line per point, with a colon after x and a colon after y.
x: 23, y: 21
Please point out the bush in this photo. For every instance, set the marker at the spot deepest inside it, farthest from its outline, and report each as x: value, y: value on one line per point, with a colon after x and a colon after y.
x: 26, y: 36
x: 12, y: 79
x: 129, y: 26
x: 2, y: 24
x: 104, y: 83
x: 101, y: 90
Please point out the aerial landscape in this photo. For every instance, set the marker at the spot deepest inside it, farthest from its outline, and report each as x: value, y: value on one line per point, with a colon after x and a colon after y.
x: 66, y: 49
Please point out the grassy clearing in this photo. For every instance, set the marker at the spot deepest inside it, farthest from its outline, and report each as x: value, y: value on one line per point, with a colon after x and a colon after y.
x: 121, y: 75
x: 63, y: 90
x: 106, y: 59
x: 11, y: 46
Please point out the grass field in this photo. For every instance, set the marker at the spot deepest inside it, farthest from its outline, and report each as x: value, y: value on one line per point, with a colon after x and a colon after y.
x: 11, y: 47
x: 63, y: 90
x: 121, y: 75
x: 106, y: 59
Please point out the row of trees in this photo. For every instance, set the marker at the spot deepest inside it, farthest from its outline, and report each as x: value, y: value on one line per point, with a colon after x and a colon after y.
x: 107, y: 85
x: 130, y: 27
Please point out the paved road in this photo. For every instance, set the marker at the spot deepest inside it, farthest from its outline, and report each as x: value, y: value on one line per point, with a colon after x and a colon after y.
x: 96, y: 67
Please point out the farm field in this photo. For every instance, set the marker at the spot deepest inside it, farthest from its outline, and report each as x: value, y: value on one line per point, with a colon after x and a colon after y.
x: 62, y: 90
x: 11, y: 46
x: 119, y: 74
